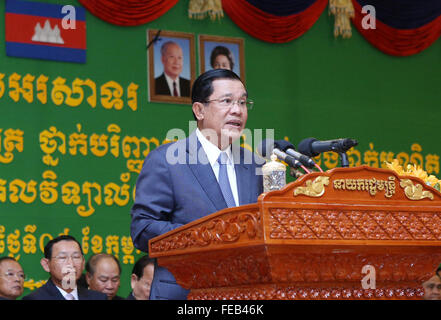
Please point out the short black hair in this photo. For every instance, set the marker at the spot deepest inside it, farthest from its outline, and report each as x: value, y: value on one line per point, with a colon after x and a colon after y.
x: 203, y: 86
x: 93, y: 261
x: 50, y: 244
x: 224, y: 51
x: 138, y: 268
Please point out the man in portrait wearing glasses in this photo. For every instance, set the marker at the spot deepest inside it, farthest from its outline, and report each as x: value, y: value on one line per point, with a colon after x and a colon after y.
x: 11, y: 279
x: 194, y: 177
x: 63, y: 259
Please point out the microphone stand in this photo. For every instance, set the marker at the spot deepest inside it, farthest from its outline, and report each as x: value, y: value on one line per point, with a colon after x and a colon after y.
x: 344, y: 159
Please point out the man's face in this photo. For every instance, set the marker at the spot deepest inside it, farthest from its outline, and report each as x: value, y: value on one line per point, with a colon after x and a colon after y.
x: 221, y: 62
x: 224, y: 123
x: 106, y: 278
x: 141, y: 287
x: 11, y: 279
x: 65, y: 265
x: 432, y: 288
x: 172, y: 60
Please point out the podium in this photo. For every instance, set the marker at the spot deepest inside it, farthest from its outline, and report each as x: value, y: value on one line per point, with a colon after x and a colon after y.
x: 348, y: 233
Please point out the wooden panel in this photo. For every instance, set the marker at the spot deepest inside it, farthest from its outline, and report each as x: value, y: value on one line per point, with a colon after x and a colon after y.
x: 312, y: 239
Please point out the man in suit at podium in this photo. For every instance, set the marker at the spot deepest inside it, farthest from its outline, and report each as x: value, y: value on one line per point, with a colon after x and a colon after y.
x: 170, y: 83
x: 63, y: 259
x: 194, y: 177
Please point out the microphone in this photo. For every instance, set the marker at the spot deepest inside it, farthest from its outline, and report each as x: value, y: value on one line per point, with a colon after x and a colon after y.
x: 266, y: 148
x: 313, y: 147
x: 290, y: 150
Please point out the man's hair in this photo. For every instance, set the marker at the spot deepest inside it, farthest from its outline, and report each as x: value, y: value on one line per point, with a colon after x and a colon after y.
x: 138, y: 268
x: 165, y: 45
x: 50, y: 244
x: 93, y: 261
x: 224, y: 51
x: 203, y: 86
x: 6, y: 259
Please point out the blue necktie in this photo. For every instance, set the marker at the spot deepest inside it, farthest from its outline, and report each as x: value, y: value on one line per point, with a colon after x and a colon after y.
x: 224, y: 182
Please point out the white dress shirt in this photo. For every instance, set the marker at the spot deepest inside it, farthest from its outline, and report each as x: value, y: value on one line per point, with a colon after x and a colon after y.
x: 170, y: 84
x: 74, y: 292
x: 213, y: 153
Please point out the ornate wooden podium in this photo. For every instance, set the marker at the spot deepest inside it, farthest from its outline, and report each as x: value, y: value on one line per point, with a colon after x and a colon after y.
x: 349, y: 233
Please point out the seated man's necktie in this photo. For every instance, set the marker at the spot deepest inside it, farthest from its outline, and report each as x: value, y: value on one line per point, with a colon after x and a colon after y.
x: 69, y: 296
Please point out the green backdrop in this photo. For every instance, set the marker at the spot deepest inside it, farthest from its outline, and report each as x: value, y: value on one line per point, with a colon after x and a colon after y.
x: 314, y: 86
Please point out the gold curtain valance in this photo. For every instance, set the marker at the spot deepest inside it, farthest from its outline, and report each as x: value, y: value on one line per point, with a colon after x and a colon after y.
x: 199, y: 9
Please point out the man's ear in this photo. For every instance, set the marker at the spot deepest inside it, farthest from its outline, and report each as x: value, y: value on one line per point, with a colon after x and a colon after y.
x: 133, y: 280
x: 88, y: 278
x: 45, y: 264
x: 198, y: 110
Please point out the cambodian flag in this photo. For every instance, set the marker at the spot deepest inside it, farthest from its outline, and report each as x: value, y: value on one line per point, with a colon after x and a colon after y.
x: 45, y: 31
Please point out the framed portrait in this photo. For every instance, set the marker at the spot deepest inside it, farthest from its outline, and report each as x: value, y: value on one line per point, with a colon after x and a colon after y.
x: 222, y: 52
x: 171, y: 66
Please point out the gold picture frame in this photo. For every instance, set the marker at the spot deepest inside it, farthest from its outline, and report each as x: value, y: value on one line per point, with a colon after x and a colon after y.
x: 159, y: 85
x: 209, y: 45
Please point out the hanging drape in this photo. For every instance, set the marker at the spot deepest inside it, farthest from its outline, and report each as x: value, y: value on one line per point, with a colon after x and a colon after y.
x: 275, y: 21
x: 403, y: 27
x: 128, y: 12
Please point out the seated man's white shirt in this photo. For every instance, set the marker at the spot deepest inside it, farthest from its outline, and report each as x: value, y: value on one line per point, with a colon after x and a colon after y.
x: 64, y: 293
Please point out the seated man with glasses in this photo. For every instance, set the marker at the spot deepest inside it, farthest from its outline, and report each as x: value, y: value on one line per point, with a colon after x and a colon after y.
x: 194, y: 177
x: 11, y: 279
x: 63, y: 259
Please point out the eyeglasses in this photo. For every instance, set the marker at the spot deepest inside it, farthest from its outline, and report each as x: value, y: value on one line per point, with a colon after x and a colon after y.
x: 10, y: 275
x: 228, y: 102
x: 75, y: 258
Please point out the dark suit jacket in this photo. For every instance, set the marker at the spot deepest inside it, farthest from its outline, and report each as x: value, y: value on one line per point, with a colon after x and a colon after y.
x: 50, y: 292
x: 130, y: 296
x: 171, y: 195
x: 161, y: 86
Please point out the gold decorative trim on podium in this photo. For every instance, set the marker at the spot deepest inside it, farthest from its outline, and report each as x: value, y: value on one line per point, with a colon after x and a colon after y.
x: 314, y: 188
x: 414, y: 192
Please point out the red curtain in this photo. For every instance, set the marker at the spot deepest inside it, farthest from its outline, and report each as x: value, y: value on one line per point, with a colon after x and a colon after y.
x: 271, y: 28
x: 398, y: 42
x: 128, y: 12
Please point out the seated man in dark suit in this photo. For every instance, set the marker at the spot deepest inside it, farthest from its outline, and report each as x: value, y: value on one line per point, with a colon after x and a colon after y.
x: 194, y: 177
x: 141, y: 278
x: 103, y: 273
x: 11, y: 279
x: 64, y: 260
x: 170, y: 83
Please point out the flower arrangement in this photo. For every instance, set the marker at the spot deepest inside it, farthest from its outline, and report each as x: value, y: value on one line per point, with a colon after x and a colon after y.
x: 415, y: 171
